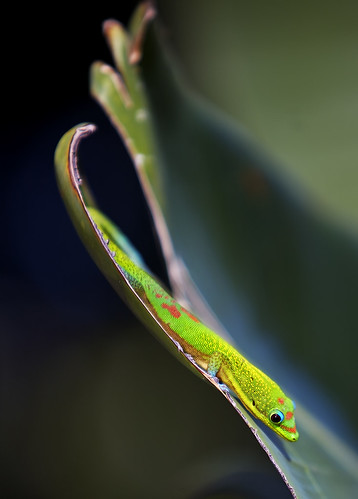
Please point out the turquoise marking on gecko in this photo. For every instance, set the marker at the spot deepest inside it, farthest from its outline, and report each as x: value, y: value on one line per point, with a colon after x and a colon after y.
x: 256, y: 391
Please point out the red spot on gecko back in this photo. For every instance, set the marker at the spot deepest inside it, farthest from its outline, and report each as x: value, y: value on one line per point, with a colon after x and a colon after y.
x: 158, y: 295
x: 289, y: 415
x: 195, y: 319
x: 172, y: 309
x: 280, y: 400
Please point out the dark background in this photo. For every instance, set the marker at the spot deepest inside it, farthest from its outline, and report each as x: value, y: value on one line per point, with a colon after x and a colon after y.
x: 53, y: 299
x: 46, y: 274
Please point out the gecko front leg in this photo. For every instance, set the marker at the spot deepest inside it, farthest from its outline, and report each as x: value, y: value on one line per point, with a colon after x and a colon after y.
x: 214, y: 364
x: 216, y: 360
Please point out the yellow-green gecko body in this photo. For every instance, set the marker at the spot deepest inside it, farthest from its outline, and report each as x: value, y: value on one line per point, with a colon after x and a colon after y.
x: 256, y: 391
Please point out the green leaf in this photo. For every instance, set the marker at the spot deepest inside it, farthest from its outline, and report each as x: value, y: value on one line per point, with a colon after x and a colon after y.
x: 258, y: 234
x: 266, y: 247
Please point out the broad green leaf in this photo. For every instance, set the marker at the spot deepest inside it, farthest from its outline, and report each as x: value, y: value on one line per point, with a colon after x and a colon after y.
x: 227, y: 213
x: 266, y: 248
x: 279, y: 261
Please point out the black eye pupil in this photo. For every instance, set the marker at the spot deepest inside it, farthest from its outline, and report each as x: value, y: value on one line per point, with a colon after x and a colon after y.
x: 275, y: 418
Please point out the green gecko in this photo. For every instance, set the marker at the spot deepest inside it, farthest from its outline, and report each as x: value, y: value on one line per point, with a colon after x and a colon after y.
x: 257, y: 392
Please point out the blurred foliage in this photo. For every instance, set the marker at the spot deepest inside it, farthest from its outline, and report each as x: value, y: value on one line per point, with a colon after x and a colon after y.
x: 289, y: 76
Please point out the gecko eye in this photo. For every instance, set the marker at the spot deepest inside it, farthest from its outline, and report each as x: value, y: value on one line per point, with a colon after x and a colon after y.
x: 276, y: 416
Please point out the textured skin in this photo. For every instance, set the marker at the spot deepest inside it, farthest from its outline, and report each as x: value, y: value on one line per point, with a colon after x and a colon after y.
x: 257, y: 392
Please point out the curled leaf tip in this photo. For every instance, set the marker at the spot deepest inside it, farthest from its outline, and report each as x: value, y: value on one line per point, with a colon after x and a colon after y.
x: 81, y: 132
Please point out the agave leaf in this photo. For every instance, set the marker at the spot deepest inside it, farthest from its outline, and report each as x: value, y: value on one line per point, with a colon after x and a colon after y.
x: 279, y: 260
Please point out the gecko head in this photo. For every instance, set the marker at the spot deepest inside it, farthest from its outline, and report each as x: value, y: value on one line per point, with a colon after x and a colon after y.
x: 281, y: 418
x: 270, y: 404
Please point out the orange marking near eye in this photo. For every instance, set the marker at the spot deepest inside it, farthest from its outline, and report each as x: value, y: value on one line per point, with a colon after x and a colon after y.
x: 289, y: 415
x: 280, y: 400
x: 287, y: 428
